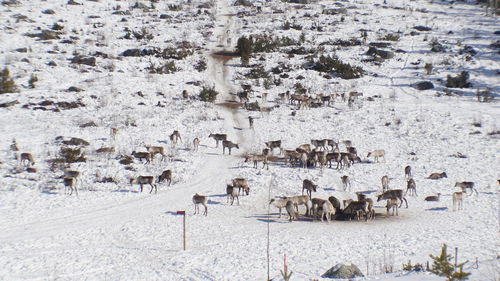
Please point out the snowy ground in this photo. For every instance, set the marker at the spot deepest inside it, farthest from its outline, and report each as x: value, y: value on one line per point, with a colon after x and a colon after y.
x: 112, y: 232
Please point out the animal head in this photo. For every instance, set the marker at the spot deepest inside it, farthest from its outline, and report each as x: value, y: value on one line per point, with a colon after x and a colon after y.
x: 379, y: 197
x: 444, y: 175
x: 272, y: 200
x: 314, y: 186
x: 247, y: 158
x: 237, y: 146
x: 132, y: 181
x: 247, y: 190
x: 369, y: 154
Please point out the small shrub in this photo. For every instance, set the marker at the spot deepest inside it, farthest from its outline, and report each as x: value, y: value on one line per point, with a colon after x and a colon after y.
x: 416, y: 267
x: 208, y: 94
x: 7, y: 85
x: 332, y: 64
x: 166, y: 68
x: 244, y: 49
x: 390, y: 37
x: 143, y: 34
x: 256, y: 73
x: 201, y: 65
x: 32, y: 81
x: 459, y: 81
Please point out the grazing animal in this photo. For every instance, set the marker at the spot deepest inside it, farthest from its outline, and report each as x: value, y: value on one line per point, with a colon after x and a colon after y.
x: 166, y: 175
x: 27, y: 157
x: 200, y: 199
x: 327, y: 210
x: 458, y: 200
x: 309, y: 186
x: 232, y: 193
x: 392, y: 204
x: 369, y: 205
x: 257, y: 158
x: 217, y: 138
x: 316, y: 204
x: 335, y: 202
x: 436, y: 176
x: 320, y: 143
x: 411, y: 187
x: 274, y: 144
x: 292, y: 157
x: 356, y: 208
x: 300, y: 200
x: 433, y: 198
x: 466, y: 185
x: 141, y: 180
x: 385, y: 183
x: 391, y: 194
x: 352, y: 150
x: 292, y: 213
x: 408, y: 172
x: 142, y: 155
x: 304, y: 148
x: 279, y: 203
x: 153, y: 150
x: 72, y: 174
x: 229, y: 145
x: 377, y: 154
x: 346, y: 182
x: 71, y: 184
x: 175, y: 137
x: 196, y: 143
x: 333, y: 156
x: 241, y: 183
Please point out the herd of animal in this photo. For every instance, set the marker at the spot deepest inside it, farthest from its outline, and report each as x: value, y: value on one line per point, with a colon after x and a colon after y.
x: 319, y: 152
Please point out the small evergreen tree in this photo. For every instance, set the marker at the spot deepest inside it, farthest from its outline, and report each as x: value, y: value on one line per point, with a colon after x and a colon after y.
x: 7, y: 85
x: 442, y: 267
x: 244, y: 47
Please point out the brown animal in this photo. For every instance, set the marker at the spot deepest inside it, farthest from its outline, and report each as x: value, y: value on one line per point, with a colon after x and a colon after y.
x: 217, y: 138
x: 391, y: 194
x: 466, y: 185
x: 142, y: 155
x: 309, y: 186
x: 292, y: 213
x: 71, y: 184
x: 153, y: 150
x: 392, y: 204
x: 141, y: 180
x: 411, y: 187
x: 229, y: 145
x: 241, y: 183
x: 436, y: 176
x: 166, y: 175
x: 231, y: 194
x: 200, y: 199
x: 408, y: 172
x: 433, y: 198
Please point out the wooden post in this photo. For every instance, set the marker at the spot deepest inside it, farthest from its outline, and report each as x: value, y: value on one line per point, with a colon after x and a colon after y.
x: 183, y: 213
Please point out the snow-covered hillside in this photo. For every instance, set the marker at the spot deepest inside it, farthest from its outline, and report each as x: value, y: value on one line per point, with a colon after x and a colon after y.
x: 103, y: 64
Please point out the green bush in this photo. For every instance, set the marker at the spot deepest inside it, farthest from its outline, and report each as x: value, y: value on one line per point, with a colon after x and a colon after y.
x: 244, y: 49
x: 332, y: 64
x: 7, y: 85
x: 208, y: 94
x: 443, y: 267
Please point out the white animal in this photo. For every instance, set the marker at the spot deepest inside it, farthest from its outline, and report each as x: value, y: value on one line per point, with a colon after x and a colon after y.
x: 327, y: 210
x: 301, y: 200
x: 458, y: 200
x: 377, y: 154
x: 196, y: 143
